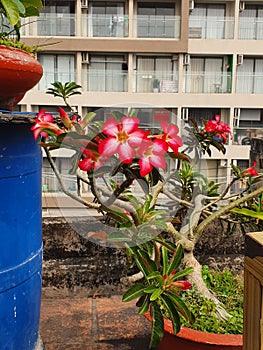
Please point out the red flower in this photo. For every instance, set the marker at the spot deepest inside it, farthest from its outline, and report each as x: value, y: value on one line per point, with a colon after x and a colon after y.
x: 250, y: 171
x: 151, y: 155
x: 44, y: 125
x: 218, y: 128
x: 170, y: 137
x: 182, y: 285
x: 122, y: 138
x: 91, y: 160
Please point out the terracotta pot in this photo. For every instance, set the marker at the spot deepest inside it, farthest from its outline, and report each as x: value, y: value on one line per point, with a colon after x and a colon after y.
x: 189, y: 339
x: 19, y: 72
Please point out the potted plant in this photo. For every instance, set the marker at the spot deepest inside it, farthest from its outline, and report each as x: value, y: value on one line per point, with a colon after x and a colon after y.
x: 160, y: 224
x: 19, y: 68
x: 20, y: 169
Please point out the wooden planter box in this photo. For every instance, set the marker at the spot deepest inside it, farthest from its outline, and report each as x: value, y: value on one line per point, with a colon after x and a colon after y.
x: 253, y: 303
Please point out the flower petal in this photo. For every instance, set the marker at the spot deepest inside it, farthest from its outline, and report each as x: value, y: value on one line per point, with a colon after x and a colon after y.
x: 111, y: 127
x: 126, y: 153
x: 145, y: 166
x: 130, y: 124
x: 108, y: 147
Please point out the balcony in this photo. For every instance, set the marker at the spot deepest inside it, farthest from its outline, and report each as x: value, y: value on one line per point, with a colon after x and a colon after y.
x: 105, y: 80
x: 115, y: 26
x: 208, y: 82
x: 250, y: 28
x: 53, y: 24
x: 211, y: 27
x: 156, y: 81
x: 249, y: 83
x: 158, y: 26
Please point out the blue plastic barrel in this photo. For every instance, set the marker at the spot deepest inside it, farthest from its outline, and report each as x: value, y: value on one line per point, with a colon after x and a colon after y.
x: 20, y: 237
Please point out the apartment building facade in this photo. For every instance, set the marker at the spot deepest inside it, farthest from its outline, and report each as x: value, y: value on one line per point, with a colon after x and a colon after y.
x: 172, y: 58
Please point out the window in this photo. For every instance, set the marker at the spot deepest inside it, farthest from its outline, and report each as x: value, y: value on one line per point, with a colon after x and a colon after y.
x: 156, y: 20
x: 57, y: 18
x: 251, y: 22
x: 209, y: 19
x: 248, y: 125
x: 250, y: 76
x: 56, y: 68
x: 157, y: 72
x: 107, y: 73
x: 207, y: 75
x: 107, y: 19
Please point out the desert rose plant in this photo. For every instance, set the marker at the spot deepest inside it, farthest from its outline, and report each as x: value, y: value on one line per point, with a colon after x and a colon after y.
x: 160, y: 228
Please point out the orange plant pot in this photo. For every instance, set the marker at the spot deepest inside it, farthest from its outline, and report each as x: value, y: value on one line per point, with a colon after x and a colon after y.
x: 19, y: 72
x: 189, y: 339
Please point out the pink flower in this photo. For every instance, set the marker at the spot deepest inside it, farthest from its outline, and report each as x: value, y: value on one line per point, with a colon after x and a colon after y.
x: 92, y: 160
x: 170, y: 137
x: 218, y: 128
x: 151, y: 155
x: 211, y: 126
x: 251, y: 171
x: 182, y: 285
x: 122, y: 138
x: 44, y: 125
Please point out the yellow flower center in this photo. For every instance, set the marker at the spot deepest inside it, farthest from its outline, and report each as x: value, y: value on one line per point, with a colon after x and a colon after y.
x: 122, y: 136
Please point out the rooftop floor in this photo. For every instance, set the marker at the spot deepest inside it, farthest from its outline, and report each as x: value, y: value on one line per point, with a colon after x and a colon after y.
x: 80, y: 323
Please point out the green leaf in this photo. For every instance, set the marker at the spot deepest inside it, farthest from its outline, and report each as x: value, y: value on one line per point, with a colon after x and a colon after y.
x: 145, y: 305
x: 147, y: 204
x: 176, y: 260
x: 248, y: 212
x: 157, y: 325
x: 87, y: 119
x: 181, y: 306
x: 13, y: 9
x: 155, y: 295
x: 150, y: 289
x: 154, y: 275
x: 165, y: 260
x: 118, y: 237
x: 151, y: 265
x: 173, y: 314
x: 136, y: 291
x: 182, y: 273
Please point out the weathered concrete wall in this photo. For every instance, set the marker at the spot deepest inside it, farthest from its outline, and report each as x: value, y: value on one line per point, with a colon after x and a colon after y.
x: 72, y: 262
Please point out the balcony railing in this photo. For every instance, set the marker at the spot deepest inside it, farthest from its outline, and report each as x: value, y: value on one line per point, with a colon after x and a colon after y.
x: 158, y: 26
x: 150, y: 81
x: 116, y: 26
x: 53, y: 24
x: 248, y: 83
x: 250, y: 28
x: 105, y: 80
x: 202, y: 27
x: 208, y: 82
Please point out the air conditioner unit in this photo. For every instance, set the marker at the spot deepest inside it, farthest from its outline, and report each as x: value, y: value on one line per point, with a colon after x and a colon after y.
x: 84, y: 4
x: 191, y: 5
x: 85, y: 57
x: 223, y: 163
x: 240, y: 59
x: 184, y: 115
x: 186, y: 59
x: 242, y: 5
